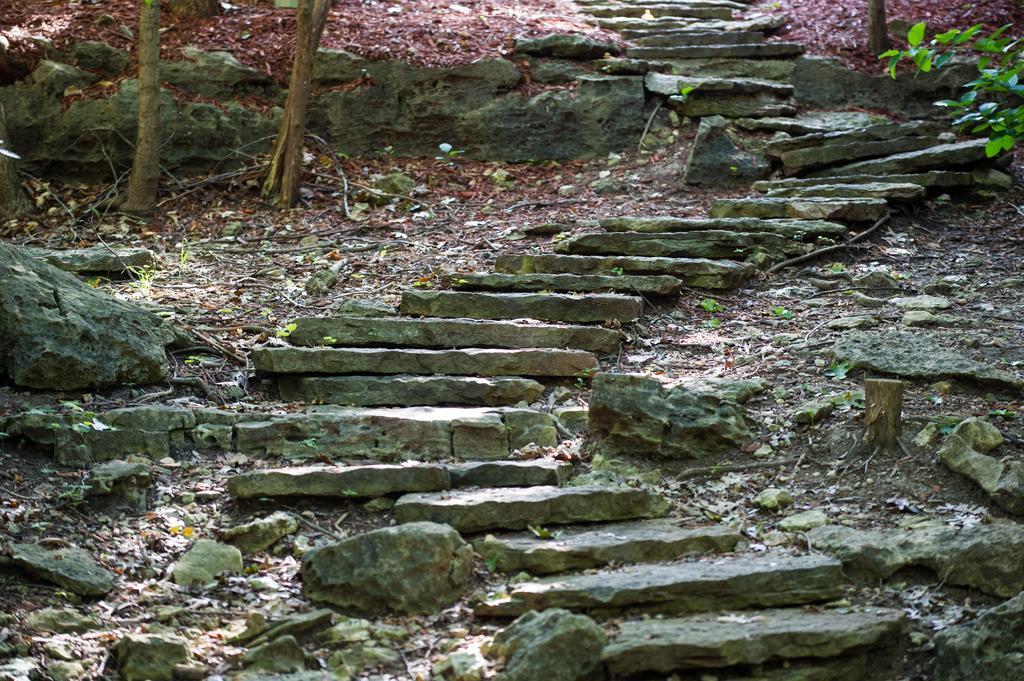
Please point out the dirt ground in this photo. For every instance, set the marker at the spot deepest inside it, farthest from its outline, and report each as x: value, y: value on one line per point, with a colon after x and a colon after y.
x: 237, y: 290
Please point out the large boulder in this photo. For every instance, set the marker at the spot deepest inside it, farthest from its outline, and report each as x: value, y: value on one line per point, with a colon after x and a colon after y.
x: 635, y: 415
x: 990, y: 648
x: 68, y: 567
x: 554, y: 645
x: 413, y: 568
x: 965, y: 451
x: 721, y: 158
x: 57, y: 333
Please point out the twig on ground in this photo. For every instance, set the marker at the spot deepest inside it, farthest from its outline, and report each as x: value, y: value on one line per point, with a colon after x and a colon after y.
x: 731, y: 468
x: 829, y: 249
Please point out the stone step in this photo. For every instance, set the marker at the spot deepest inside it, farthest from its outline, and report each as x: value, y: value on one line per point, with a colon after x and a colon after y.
x: 668, y: 85
x: 812, y: 122
x: 709, y: 244
x: 693, y: 10
x: 448, y: 333
x: 466, y: 362
x: 373, y: 480
x: 552, y: 307
x: 853, y: 210
x: 762, y: 581
x: 684, y: 38
x: 794, y: 229
x: 940, y: 157
x: 408, y: 391
x: 869, y: 133
x: 635, y: 28
x: 377, y: 480
x: 694, y: 272
x: 773, y: 50
x: 893, y: 191
x: 392, y: 434
x: 806, y: 158
x: 931, y: 178
x: 98, y: 260
x: 578, y: 549
x: 516, y: 508
x: 737, y: 5
x: 774, y: 638
x: 656, y: 285
x: 531, y: 473
x: 777, y: 70
x: 758, y: 105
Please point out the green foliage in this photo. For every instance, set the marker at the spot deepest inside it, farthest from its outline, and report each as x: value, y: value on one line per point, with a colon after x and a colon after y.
x: 839, y: 370
x: 286, y: 330
x: 710, y: 305
x: 992, y: 103
x: 782, y: 313
x: 541, y: 532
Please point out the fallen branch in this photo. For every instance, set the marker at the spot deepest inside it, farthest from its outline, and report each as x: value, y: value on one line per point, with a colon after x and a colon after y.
x: 829, y: 249
x: 731, y: 468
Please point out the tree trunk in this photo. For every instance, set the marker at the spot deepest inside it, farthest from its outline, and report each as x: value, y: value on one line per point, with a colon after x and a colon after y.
x: 193, y: 9
x: 13, y: 202
x: 878, y: 29
x: 883, y: 413
x: 145, y: 177
x: 281, y: 185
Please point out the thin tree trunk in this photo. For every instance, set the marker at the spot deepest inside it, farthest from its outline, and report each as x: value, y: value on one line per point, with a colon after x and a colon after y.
x: 883, y: 413
x: 281, y: 185
x: 13, y: 202
x: 145, y: 178
x: 194, y: 9
x: 878, y: 29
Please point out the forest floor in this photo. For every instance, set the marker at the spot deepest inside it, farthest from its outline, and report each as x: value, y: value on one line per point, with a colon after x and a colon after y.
x: 234, y: 271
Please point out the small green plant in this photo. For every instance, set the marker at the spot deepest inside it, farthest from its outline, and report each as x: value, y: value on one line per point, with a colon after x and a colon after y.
x: 541, y: 532
x: 782, y: 313
x: 710, y: 305
x: 837, y: 267
x: 184, y: 254
x: 449, y: 153
x: 492, y: 563
x: 329, y: 340
x: 685, y: 90
x: 286, y: 330
x: 617, y: 271
x: 838, y: 370
x: 712, y: 323
x: 993, y: 101
x: 142, y: 278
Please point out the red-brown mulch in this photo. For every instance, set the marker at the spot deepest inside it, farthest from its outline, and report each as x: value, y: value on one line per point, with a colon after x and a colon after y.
x: 837, y: 29
x: 424, y: 32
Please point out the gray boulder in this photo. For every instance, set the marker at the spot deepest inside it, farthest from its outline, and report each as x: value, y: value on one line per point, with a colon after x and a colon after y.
x: 150, y: 657
x: 68, y: 567
x: 965, y: 451
x: 261, y: 533
x: 554, y: 645
x: 413, y: 568
x: 206, y: 560
x: 57, y: 333
x: 990, y: 648
x: 120, y: 484
x: 635, y: 415
x: 721, y: 158
x: 96, y: 55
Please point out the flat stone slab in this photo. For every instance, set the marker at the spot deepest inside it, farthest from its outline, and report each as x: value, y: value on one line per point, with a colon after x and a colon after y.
x: 813, y: 122
x: 99, y: 260
x: 447, y: 333
x: 895, y: 191
x: 695, y: 10
x: 801, y: 160
x: 916, y: 356
x: 718, y: 640
x: 757, y: 105
x: 395, y: 434
x: 983, y: 557
x: 941, y: 157
x: 693, y: 272
x: 373, y: 480
x: 68, y: 567
x: 668, y: 85
x: 706, y: 244
x: 555, y: 307
x: 931, y: 178
x: 408, y: 391
x: 871, y: 133
x: 471, y: 361
x: 516, y: 508
x: 854, y: 210
x: 578, y: 549
x: 772, y: 50
x: 656, y: 285
x: 794, y: 229
x: 682, y: 588
x: 631, y: 26
x: 532, y: 473
x: 683, y: 37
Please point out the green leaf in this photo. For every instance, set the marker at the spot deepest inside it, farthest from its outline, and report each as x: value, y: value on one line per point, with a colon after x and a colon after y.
x: 889, y: 53
x: 916, y: 34
x: 996, y: 145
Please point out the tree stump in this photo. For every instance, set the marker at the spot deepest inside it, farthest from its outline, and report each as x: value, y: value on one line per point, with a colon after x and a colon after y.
x: 883, y: 423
